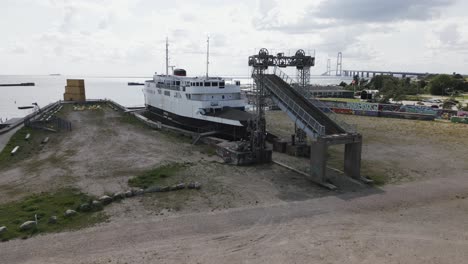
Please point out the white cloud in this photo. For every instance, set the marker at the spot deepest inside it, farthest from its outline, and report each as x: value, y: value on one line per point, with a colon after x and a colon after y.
x: 127, y: 37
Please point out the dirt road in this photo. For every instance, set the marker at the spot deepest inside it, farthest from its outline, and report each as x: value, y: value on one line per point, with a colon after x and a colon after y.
x: 422, y: 222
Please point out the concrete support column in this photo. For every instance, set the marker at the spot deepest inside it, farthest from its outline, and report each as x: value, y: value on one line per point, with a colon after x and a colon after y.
x: 367, y: 74
x: 352, y: 159
x: 373, y: 74
x: 318, y: 161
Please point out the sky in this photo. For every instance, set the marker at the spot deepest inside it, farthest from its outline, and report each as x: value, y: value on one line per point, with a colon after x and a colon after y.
x: 127, y: 37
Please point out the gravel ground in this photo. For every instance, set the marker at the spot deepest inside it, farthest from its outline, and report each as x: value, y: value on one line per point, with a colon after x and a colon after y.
x: 255, y: 214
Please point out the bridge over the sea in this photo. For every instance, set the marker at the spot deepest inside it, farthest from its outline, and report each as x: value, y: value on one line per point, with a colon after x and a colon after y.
x: 362, y: 73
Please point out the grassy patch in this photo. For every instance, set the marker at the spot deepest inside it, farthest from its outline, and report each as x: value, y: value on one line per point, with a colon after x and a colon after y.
x: 27, y: 148
x: 45, y: 205
x: 157, y: 176
x: 130, y: 119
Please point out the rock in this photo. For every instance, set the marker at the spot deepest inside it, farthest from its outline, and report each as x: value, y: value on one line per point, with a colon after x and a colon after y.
x: 179, y: 186
x: 128, y: 194
x: 194, y: 185
x: 96, y: 205
x: 105, y: 199
x: 3, y: 229
x: 86, y: 207
x: 153, y: 189
x: 165, y: 189
x: 118, y: 196
x: 138, y: 192
x: 27, y: 225
x: 69, y: 212
x: 53, y: 220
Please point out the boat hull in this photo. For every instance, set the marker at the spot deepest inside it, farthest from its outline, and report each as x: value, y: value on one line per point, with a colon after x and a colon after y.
x: 197, y: 125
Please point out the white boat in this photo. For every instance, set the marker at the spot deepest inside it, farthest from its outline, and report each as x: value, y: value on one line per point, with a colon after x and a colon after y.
x: 197, y: 103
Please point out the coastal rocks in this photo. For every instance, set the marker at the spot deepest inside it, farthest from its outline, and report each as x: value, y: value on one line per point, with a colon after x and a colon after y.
x: 138, y: 192
x: 96, y: 205
x: 194, y: 185
x: 105, y: 200
x: 165, y: 189
x: 86, y: 207
x: 69, y: 213
x: 118, y: 196
x: 3, y: 229
x: 153, y: 189
x: 52, y: 220
x: 179, y: 186
x: 27, y: 225
x: 128, y: 194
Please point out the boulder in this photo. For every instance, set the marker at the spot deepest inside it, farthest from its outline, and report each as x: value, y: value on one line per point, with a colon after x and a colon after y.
x: 105, y: 199
x: 69, y: 213
x: 53, y: 219
x: 96, y: 205
x: 179, y: 186
x: 165, y: 189
x: 128, y: 194
x: 153, y: 189
x: 27, y: 225
x: 86, y: 207
x: 138, y: 192
x: 194, y: 185
x: 118, y: 196
x: 3, y: 229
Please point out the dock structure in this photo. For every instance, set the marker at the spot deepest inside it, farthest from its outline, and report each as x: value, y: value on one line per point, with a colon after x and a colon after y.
x: 75, y: 90
x: 310, y: 116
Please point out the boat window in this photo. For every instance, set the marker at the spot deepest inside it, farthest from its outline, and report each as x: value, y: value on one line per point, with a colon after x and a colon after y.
x: 177, y: 83
x: 214, y: 84
x: 221, y: 84
x: 223, y: 96
x: 159, y: 91
x: 207, y: 84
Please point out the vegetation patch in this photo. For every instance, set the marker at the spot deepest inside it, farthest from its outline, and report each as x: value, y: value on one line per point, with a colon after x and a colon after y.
x: 27, y: 148
x: 158, y: 176
x: 44, y: 206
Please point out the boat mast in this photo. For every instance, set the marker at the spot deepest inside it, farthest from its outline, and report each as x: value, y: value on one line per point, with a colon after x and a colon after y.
x: 167, y: 56
x: 207, y: 55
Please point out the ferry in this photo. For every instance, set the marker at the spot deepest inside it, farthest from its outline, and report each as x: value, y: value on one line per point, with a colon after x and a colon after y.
x: 202, y: 104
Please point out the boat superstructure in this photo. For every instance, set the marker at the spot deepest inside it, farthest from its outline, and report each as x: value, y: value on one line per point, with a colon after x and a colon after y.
x: 197, y: 102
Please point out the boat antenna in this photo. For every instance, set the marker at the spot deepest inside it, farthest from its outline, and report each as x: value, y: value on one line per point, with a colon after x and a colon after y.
x: 167, y: 56
x: 207, y: 55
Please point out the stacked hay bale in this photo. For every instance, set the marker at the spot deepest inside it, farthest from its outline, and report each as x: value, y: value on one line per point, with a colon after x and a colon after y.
x: 75, y: 90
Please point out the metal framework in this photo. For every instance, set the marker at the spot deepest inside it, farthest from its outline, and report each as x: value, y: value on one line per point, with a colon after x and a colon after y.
x: 264, y: 60
x: 339, y: 64
x: 260, y: 64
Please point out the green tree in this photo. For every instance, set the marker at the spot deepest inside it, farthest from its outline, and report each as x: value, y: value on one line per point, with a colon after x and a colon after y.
x: 377, y: 82
x: 391, y: 89
x: 439, y: 84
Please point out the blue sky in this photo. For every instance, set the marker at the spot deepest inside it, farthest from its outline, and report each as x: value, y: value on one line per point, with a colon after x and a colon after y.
x: 123, y: 37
